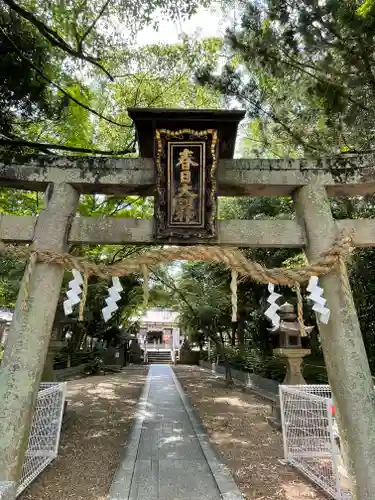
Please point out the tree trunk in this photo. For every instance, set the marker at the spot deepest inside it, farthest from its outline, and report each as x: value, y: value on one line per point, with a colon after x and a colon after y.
x: 222, y: 342
x: 83, y: 341
x: 234, y: 331
x: 77, y: 337
x: 241, y: 337
x: 228, y: 373
x: 314, y: 344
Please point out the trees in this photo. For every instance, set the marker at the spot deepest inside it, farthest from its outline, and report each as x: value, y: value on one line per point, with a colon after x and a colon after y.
x: 81, y: 64
x: 305, y: 72
x: 205, y: 307
x: 200, y: 292
x: 24, y: 97
x: 77, y: 69
x: 157, y: 76
x: 91, y: 32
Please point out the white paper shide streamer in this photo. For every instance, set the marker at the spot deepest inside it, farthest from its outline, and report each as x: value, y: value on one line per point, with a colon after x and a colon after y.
x: 113, y: 297
x: 74, y: 292
x: 316, y: 296
x: 271, y: 312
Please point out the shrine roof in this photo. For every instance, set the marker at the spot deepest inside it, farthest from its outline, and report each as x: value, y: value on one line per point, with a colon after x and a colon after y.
x: 158, y: 316
x: 147, y: 120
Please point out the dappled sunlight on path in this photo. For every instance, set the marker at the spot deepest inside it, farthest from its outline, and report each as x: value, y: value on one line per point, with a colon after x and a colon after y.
x: 90, y: 447
x: 236, y: 423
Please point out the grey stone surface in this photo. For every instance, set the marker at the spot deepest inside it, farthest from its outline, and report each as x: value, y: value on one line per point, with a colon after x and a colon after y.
x: 30, y: 332
x: 343, y: 347
x: 186, y: 480
x: 238, y: 233
x: 7, y: 490
x: 169, y: 456
x: 147, y: 483
x: 350, y: 175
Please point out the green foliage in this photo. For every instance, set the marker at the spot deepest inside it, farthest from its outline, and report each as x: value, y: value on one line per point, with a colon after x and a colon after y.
x: 69, y: 75
x: 18, y: 202
x: 314, y: 371
x: 11, y: 272
x: 157, y: 76
x: 251, y: 360
x: 272, y: 367
x: 204, y: 304
x: 23, y: 95
x: 97, y: 28
x: 362, y: 279
x: 305, y: 72
x: 70, y: 69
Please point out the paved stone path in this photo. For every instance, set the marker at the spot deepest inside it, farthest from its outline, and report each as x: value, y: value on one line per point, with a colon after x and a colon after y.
x: 169, y: 456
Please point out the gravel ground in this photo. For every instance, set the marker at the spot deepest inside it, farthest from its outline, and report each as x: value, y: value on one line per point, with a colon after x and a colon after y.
x: 236, y: 423
x: 90, y: 447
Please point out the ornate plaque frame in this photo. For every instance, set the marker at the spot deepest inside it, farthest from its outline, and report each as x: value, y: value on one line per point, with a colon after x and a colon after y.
x: 186, y: 185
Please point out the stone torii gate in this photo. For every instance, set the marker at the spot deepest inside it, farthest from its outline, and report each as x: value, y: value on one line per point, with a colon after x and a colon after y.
x: 310, y: 183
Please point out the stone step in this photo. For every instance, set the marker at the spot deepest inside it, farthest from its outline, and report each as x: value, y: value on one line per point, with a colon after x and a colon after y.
x: 158, y: 354
x: 153, y: 355
x: 166, y: 358
x: 162, y: 357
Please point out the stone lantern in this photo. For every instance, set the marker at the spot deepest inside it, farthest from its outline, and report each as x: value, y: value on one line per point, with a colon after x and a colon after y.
x: 289, y: 344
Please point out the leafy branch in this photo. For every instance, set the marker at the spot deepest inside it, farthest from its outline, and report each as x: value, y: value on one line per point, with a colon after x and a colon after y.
x: 90, y: 28
x: 47, y: 147
x: 56, y: 40
x: 61, y: 89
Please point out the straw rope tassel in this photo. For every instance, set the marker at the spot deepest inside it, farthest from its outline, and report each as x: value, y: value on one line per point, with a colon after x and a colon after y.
x: 146, y: 293
x: 26, y: 280
x: 300, y: 310
x: 84, y: 297
x: 233, y: 287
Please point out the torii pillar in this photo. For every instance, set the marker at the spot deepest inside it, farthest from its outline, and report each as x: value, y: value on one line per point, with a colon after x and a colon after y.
x: 27, y: 345
x: 344, y: 351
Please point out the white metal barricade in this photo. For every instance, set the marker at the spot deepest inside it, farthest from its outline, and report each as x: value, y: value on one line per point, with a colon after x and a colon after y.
x: 309, y: 437
x: 45, y: 431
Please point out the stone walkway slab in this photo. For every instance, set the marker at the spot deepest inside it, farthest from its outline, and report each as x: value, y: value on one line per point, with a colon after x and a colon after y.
x: 169, y: 456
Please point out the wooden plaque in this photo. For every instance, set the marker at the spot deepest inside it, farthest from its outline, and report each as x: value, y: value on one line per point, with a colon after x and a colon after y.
x: 186, y: 188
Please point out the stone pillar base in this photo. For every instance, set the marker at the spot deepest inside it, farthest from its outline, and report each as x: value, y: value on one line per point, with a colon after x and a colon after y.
x: 54, y: 348
x: 293, y: 359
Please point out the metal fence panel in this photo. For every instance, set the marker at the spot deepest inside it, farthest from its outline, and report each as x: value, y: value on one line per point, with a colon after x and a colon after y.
x: 308, y: 437
x: 45, y: 431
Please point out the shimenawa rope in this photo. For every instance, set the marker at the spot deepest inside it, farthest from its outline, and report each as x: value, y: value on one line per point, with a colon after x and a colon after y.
x: 231, y: 258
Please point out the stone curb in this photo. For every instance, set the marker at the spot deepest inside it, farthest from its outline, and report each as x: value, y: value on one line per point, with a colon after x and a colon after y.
x: 252, y: 388
x: 121, y: 483
x: 224, y: 481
